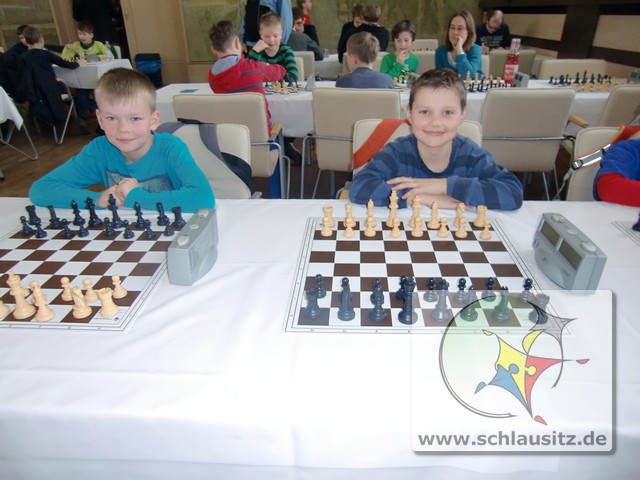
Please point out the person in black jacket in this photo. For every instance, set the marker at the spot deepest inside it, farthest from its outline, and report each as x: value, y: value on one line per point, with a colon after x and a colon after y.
x: 349, y: 28
x: 371, y: 17
x: 12, y: 68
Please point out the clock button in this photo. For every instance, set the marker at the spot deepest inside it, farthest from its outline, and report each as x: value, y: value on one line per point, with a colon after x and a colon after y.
x: 202, y: 213
x: 183, y: 240
x: 557, y: 218
x: 194, y: 226
x: 572, y: 231
x: 588, y: 246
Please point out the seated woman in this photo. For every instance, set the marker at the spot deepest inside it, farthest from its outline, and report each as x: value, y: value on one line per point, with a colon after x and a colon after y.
x: 459, y: 52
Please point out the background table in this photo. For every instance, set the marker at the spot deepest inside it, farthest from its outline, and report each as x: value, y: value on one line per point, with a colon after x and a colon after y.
x: 87, y: 75
x: 205, y: 384
x: 329, y: 67
x: 294, y: 112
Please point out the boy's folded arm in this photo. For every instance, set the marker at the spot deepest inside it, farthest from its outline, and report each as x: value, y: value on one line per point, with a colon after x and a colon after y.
x: 502, y: 191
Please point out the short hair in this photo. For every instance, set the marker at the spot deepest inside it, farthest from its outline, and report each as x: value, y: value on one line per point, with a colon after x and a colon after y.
x: 85, y: 27
x: 437, y: 79
x: 21, y: 28
x: 121, y: 84
x: 494, y: 12
x: 357, y: 10
x: 364, y: 46
x: 371, y: 13
x: 270, y: 20
x: 222, y: 35
x: 471, y: 30
x: 31, y: 35
x: 301, y: 2
x: 404, y: 26
x: 298, y: 13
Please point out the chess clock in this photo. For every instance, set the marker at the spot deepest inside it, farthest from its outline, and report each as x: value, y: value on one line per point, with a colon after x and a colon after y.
x: 521, y: 80
x: 194, y: 250
x: 566, y: 255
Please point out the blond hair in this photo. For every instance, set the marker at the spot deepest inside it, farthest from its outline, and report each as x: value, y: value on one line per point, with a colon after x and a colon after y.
x: 121, y: 84
x: 364, y: 46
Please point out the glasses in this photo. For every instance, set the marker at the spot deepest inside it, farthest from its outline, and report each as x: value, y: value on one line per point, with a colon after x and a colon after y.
x: 453, y: 28
x: 299, y: 22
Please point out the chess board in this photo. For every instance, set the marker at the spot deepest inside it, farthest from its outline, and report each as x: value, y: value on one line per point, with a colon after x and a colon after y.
x: 363, y: 259
x: 625, y: 227
x: 138, y: 261
x: 269, y: 89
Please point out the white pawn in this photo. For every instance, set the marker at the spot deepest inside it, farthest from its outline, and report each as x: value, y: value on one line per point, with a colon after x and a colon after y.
x: 486, y: 233
x: 4, y: 310
x: 461, y: 232
x: 479, y: 221
x: 348, y: 230
x: 118, y: 289
x: 395, y: 231
x: 370, y: 231
x: 326, y: 230
x: 108, y: 309
x: 80, y: 307
x: 417, y: 227
x: 66, y: 289
x: 90, y: 296
x: 443, y: 231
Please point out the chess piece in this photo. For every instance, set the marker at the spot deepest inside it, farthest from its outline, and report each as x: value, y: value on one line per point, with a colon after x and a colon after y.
x: 116, y: 221
x: 395, y: 231
x: 415, y: 206
x: 433, y: 222
x: 140, y: 221
x: 94, y: 219
x: 108, y: 308
x: 539, y: 313
x: 461, y: 296
x: 481, y: 211
x: 80, y: 308
x: 54, y: 220
x: 469, y: 313
x: 26, y: 229
x: 370, y: 223
x: 44, y: 313
x: 326, y: 231
x: 82, y: 231
x: 486, y: 233
x: 443, y: 231
x: 108, y: 228
x: 393, y: 207
x: 148, y: 232
x: 14, y: 283
x: 349, y: 220
x: 90, y: 295
x: 461, y: 232
x: 4, y: 310
x: 636, y: 226
x: 489, y: 295
x: 527, y: 295
x: 442, y: 313
x: 407, y: 315
x: 459, y: 214
x: 501, y: 312
x: 377, y: 314
x: 168, y: 230
x: 400, y: 291
x: 178, y: 221
x: 319, y: 286
x: 22, y: 309
x: 163, y: 220
x: 370, y: 212
x: 430, y: 294
x: 128, y: 233
x: 348, y: 231
x: 66, y: 231
x: 66, y: 289
x: 417, y: 227
x: 346, y: 311
x: 312, y: 309
x: 40, y: 232
x: 327, y: 210
x: 31, y: 211
x: 36, y: 291
x: 118, y: 289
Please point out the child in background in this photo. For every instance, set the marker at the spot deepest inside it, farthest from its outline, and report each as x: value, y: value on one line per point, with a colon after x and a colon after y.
x: 348, y: 29
x: 362, y: 51
x: 434, y: 162
x: 233, y: 73
x: 85, y: 44
x: 300, y: 41
x: 130, y: 160
x: 403, y: 61
x: 270, y: 50
x: 618, y: 180
x: 306, y: 6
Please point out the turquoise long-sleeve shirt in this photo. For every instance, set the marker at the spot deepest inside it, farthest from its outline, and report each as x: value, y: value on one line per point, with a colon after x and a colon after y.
x: 167, y: 173
x: 469, y: 62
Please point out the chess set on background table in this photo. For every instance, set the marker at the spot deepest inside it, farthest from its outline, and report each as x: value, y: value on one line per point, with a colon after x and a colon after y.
x: 94, y: 278
x: 356, y: 275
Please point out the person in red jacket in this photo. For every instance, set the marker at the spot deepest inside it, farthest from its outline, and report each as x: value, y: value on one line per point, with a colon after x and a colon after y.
x: 618, y: 180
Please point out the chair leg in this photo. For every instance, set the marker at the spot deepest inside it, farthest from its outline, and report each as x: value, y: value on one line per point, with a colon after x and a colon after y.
x: 72, y: 109
x: 546, y: 188
x: 332, y: 177
x: 305, y: 148
x: 315, y: 188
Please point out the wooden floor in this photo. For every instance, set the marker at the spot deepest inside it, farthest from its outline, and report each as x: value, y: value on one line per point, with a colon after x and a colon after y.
x: 20, y: 172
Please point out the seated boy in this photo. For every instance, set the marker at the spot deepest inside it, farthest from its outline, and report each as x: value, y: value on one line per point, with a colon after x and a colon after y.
x: 402, y: 61
x: 269, y: 48
x: 131, y: 161
x: 362, y: 51
x: 85, y: 44
x: 434, y: 162
x: 349, y: 28
x: 300, y: 41
x: 618, y: 180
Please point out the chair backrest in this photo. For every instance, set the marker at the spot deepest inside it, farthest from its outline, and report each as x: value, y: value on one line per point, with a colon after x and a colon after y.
x: 309, y: 65
x: 486, y: 62
x: 378, y: 61
x: 497, y: 59
x: 424, y: 44
x: 228, y: 168
x: 587, y: 141
x: 240, y: 108
x: 334, y: 132
x: 118, y: 50
x: 472, y: 130
x: 300, y: 66
x: 523, y: 127
x: 426, y: 61
x: 623, y: 105
x: 555, y: 67
x: 526, y: 59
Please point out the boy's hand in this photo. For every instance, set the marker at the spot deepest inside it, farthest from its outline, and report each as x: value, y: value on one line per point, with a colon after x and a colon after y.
x: 103, y: 199
x: 71, y: 46
x: 260, y: 46
x: 81, y: 61
x: 421, y: 187
x: 401, y: 56
x: 125, y: 186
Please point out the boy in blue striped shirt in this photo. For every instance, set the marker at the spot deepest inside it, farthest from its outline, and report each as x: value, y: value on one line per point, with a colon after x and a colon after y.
x: 434, y: 162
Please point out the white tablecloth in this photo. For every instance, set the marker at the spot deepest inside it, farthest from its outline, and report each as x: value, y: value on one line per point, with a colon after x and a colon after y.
x: 8, y: 110
x: 205, y: 384
x: 329, y: 67
x: 294, y: 111
x: 87, y: 75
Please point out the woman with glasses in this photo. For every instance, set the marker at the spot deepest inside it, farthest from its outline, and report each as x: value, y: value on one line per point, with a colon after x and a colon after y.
x: 459, y: 52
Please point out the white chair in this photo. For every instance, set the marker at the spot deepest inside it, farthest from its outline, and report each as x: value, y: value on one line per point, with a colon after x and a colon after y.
x: 229, y: 173
x: 243, y: 109
x: 426, y: 61
x: 424, y: 44
x: 589, y: 142
x: 300, y: 67
x: 498, y: 58
x: 523, y: 127
x: 333, y: 133
x: 309, y: 64
x: 570, y: 66
x: 14, y: 119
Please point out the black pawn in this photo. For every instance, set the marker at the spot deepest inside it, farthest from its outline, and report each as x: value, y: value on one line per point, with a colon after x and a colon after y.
x: 178, y: 221
x: 539, y: 313
x: 407, y: 315
x: 461, y: 295
x: 501, y: 312
x: 128, y: 233
x: 33, y: 217
x: 163, y: 220
x: 636, y: 226
x: 66, y: 231
x: 108, y: 228
x: 148, y: 232
x: 54, y: 220
x: 430, y: 295
x: 312, y: 310
x: 442, y: 313
x: 469, y: 312
x: 26, y: 229
x: 377, y: 314
x: 83, y: 232
x: 40, y: 232
x: 94, y: 219
x: 527, y: 295
x: 319, y: 286
x: 168, y: 231
x: 346, y: 311
x: 489, y: 294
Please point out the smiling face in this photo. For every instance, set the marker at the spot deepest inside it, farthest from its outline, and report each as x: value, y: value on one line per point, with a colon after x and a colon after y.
x: 457, y: 30
x: 403, y: 41
x: 127, y: 124
x: 85, y: 37
x: 435, y: 117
